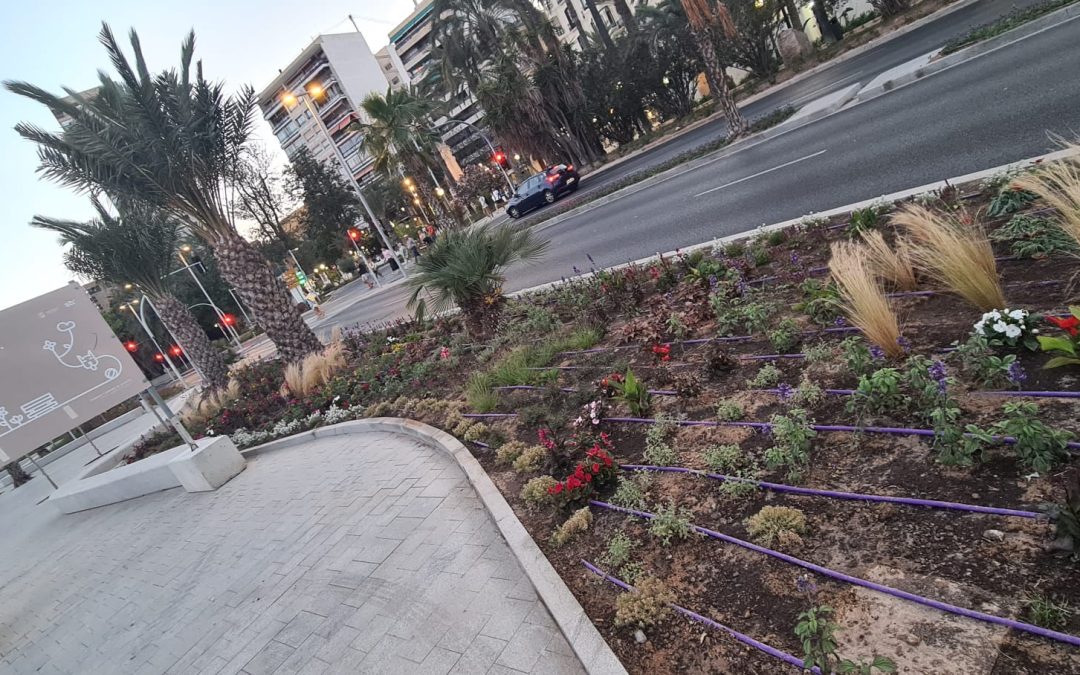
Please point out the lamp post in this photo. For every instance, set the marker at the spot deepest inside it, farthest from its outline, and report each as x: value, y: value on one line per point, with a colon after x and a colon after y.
x: 130, y: 304
x: 491, y: 147
x: 228, y: 329
x: 306, y: 97
x: 354, y: 234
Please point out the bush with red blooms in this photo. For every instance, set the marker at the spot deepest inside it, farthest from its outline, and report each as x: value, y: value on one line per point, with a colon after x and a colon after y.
x: 662, y: 352
x: 597, y: 469
x: 1065, y: 350
x: 610, y: 385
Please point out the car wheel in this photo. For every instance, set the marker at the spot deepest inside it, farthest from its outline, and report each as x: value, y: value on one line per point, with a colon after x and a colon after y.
x: 513, y: 213
x: 549, y: 196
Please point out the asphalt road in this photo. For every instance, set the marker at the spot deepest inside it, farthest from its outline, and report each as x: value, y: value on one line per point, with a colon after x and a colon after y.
x: 996, y: 109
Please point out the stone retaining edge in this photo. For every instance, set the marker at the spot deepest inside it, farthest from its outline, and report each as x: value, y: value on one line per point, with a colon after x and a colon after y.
x: 589, y: 646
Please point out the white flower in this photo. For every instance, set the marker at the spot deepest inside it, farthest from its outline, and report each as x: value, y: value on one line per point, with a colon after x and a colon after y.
x: 979, y: 326
x: 1000, y: 326
x: 995, y: 315
x: 1012, y: 331
x: 1018, y: 314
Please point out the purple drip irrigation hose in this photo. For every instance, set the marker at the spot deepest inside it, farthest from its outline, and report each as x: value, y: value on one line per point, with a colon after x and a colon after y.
x: 840, y: 576
x: 572, y: 390
x: 834, y: 494
x: 700, y: 341
x: 745, y: 639
x: 1033, y: 394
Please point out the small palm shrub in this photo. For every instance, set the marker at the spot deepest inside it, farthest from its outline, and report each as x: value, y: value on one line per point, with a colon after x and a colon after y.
x: 466, y: 268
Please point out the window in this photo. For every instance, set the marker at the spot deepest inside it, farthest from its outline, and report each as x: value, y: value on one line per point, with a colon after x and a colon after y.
x: 288, y: 131
x: 605, y: 12
x: 571, y: 18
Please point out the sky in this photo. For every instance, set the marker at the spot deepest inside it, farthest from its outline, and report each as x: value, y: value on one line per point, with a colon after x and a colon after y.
x: 54, y: 44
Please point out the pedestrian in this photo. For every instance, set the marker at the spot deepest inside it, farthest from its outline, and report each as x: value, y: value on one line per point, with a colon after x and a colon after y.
x: 414, y: 249
x: 388, y: 256
x: 402, y: 252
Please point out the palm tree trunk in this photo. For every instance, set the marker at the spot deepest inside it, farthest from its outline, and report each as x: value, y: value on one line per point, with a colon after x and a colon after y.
x: 599, y: 25
x: 265, y: 295
x: 718, y: 85
x: 622, y: 8
x: 182, y: 324
x: 18, y: 475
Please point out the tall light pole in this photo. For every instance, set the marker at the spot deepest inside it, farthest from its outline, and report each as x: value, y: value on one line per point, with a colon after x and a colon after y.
x: 480, y: 133
x: 130, y: 304
x: 306, y: 97
x: 229, y: 330
x: 353, y: 234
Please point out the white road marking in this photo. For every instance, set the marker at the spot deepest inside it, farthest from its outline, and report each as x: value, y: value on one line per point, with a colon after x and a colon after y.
x: 817, y: 91
x: 762, y: 173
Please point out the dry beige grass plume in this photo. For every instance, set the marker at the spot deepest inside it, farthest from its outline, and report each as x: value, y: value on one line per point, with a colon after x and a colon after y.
x: 1058, y: 183
x: 893, y: 264
x: 863, y: 297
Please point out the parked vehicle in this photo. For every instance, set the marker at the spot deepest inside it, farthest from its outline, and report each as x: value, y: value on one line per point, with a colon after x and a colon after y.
x: 543, y: 188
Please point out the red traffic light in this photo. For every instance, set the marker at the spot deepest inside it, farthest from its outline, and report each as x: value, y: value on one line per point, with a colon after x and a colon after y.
x: 355, y: 234
x: 159, y: 358
x: 175, y: 350
x: 228, y: 319
x: 131, y: 346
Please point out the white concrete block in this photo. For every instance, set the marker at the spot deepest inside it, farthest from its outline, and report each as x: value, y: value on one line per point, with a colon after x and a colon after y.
x: 117, y: 484
x: 211, y: 465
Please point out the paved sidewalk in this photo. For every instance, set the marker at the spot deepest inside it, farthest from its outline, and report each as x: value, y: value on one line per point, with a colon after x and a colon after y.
x: 349, y: 554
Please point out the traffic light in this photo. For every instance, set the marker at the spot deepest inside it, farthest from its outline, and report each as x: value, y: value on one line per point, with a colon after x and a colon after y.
x: 175, y: 350
x: 355, y: 234
x: 500, y: 157
x: 301, y: 278
x: 159, y: 358
x: 228, y: 319
x: 131, y: 346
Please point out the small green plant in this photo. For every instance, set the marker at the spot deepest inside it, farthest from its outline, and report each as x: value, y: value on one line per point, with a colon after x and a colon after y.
x: 740, y: 489
x: 723, y: 458
x: 979, y: 362
x: 740, y: 314
x: 863, y: 220
x: 817, y: 632
x: 658, y: 449
x: 537, y: 492
x: 630, y: 492
x: 632, y: 571
x: 671, y: 522
x: 647, y: 605
x: 808, y: 394
x: 792, y: 436
x: 1038, y: 446
x: 634, y: 394
x: 1068, y: 516
x: 877, y: 393
x: 856, y: 355
x: 821, y: 301
x: 735, y: 249
x: 507, y: 453
x: 476, y: 432
x: 1009, y: 200
x: 729, y: 411
x: 480, y: 393
x: 767, y: 376
x: 1048, y: 611
x: 531, y: 459
x: 820, y: 352
x: 577, y: 523
x: 1034, y: 237
x: 776, y: 237
x: 760, y: 256
x: 782, y: 525
x: 785, y: 337
x: 619, y: 548
x: 675, y: 327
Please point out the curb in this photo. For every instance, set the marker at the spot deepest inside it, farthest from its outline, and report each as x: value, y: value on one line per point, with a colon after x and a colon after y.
x: 750, y: 234
x: 824, y: 106
x: 589, y: 646
x: 929, y: 63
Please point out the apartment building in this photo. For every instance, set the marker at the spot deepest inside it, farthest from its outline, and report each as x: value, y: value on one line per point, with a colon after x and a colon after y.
x: 336, y: 72
x: 574, y: 24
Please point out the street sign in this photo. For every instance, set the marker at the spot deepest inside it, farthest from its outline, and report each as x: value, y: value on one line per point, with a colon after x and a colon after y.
x: 60, y: 365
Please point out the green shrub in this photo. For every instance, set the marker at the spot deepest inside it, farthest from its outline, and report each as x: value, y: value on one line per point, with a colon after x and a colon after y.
x: 531, y: 459
x: 1048, y: 611
x: 808, y: 394
x: 735, y: 249
x: 777, y: 524
x: 507, y: 453
x: 671, y: 522
x: 619, y: 548
x: 856, y: 355
x: 476, y: 432
x: 723, y: 458
x: 647, y: 606
x: 792, y: 436
x: 634, y: 393
x: 729, y: 411
x: 574, y: 525
x: 785, y: 337
x: 740, y: 489
x: 1034, y: 237
x: 658, y: 449
x: 1038, y: 446
x: 630, y: 492
x: 767, y: 376
x: 535, y: 493
x: 877, y: 393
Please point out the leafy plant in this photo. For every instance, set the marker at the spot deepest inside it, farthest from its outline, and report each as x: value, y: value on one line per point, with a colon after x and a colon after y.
x: 507, y: 453
x: 657, y: 448
x: 740, y: 489
x: 785, y: 337
x: 577, y: 523
x: 1066, y: 350
x: 723, y: 458
x: 863, y: 220
x: 767, y: 376
x: 879, y: 392
x: 979, y: 362
x: 729, y: 411
x: 634, y: 394
x: 537, y: 492
x: 792, y: 436
x: 1009, y: 199
x: 675, y: 327
x: 619, y: 548
x: 630, y: 492
x: 1034, y: 237
x: 821, y: 301
x: 1068, y: 515
x: 735, y: 249
x: 671, y: 522
x: 817, y: 632
x: 1058, y: 183
x: 779, y: 524
x: 808, y: 394
x: 1048, y: 611
x: 531, y: 459
x: 1038, y: 446
x: 1007, y: 328
x: 856, y: 355
x: 647, y: 605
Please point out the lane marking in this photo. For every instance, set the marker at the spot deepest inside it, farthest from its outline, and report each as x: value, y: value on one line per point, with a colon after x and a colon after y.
x: 762, y: 173
x: 816, y: 92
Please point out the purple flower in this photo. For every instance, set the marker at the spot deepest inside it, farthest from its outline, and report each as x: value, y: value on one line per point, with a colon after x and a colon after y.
x: 785, y: 391
x: 1016, y: 373
x: 904, y: 343
x: 840, y: 322
x: 938, y: 374
x: 713, y: 281
x: 876, y: 353
x: 804, y: 584
x: 794, y: 258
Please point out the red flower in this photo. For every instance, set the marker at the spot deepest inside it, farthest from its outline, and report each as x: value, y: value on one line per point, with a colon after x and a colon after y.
x: 596, y: 467
x: 654, y: 273
x: 555, y: 489
x: 588, y: 477
x: 607, y: 461
x: 1070, y: 324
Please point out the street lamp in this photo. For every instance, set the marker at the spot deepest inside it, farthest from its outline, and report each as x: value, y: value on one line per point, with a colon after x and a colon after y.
x: 315, y: 90
x: 230, y: 330
x: 491, y: 147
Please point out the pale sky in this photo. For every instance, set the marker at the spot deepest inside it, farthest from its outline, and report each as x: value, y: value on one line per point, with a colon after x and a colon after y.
x: 54, y: 44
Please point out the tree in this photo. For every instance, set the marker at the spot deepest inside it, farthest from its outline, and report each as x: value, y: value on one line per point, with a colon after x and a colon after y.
x: 751, y: 46
x: 466, y: 268
x: 172, y: 139
x: 261, y: 196
x: 676, y: 59
x: 140, y: 247
x: 330, y: 205
x: 399, y: 136
x: 709, y: 21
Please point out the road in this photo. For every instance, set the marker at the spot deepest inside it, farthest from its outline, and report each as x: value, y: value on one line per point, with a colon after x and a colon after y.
x: 996, y: 109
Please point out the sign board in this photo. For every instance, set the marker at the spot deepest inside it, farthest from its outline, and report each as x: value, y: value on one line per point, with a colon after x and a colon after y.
x: 60, y: 365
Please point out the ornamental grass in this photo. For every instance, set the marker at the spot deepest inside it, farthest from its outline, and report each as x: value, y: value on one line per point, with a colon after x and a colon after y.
x: 863, y: 298
x: 1058, y: 184
x: 956, y: 254
x: 893, y: 264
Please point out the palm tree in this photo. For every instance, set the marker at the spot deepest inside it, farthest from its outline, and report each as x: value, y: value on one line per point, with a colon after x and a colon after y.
x: 466, y: 268
x: 399, y: 136
x: 140, y: 247
x: 710, y: 20
x: 174, y: 140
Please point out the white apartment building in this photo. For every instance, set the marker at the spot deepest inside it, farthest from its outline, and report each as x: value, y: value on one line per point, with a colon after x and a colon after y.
x: 337, y: 72
x: 573, y: 22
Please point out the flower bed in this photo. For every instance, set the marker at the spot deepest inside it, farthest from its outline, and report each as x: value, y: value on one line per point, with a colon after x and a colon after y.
x: 781, y: 386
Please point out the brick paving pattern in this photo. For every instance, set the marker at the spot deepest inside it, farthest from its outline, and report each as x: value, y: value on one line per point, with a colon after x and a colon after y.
x: 348, y: 554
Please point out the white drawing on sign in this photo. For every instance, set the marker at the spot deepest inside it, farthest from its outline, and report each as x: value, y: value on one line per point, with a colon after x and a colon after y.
x: 10, y: 423
x: 42, y: 405
x: 88, y: 361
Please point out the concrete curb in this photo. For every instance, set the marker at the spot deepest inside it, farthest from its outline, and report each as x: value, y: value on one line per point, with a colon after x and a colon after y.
x: 589, y: 646
x: 824, y: 106
x: 750, y: 234
x: 929, y: 63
